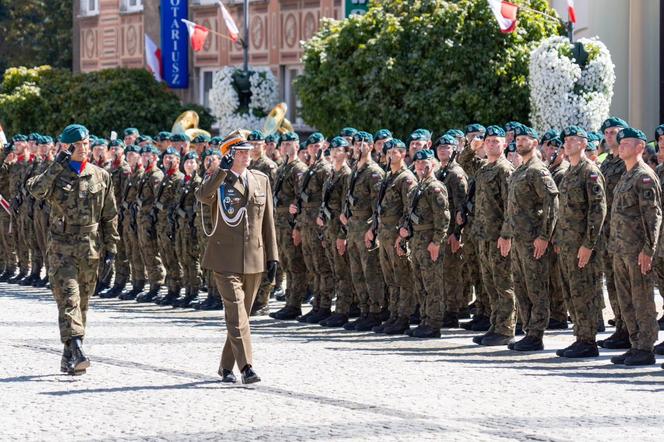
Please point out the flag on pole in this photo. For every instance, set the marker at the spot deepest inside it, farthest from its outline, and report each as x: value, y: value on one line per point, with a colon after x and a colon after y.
x: 505, y: 13
x: 3, y: 137
x: 197, y: 34
x: 153, y: 58
x: 230, y: 23
x: 571, y: 12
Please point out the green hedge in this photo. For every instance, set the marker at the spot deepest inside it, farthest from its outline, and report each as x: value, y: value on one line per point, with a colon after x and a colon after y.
x: 422, y: 63
x: 45, y: 100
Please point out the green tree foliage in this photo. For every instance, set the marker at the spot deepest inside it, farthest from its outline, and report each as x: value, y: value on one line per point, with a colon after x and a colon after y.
x: 420, y: 63
x: 35, y: 32
x: 45, y: 100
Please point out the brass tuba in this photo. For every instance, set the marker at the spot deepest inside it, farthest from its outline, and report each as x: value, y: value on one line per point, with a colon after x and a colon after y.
x: 276, y: 121
x: 187, y: 123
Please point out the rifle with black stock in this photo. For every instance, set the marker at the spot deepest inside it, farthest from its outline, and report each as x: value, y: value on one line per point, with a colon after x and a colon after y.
x: 375, y: 217
x: 279, y: 183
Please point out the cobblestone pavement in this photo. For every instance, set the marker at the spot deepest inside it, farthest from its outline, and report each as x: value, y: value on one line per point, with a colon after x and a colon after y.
x: 153, y: 377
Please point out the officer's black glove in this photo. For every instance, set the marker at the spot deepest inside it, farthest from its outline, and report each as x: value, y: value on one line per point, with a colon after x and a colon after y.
x: 107, y: 266
x: 63, y: 157
x: 272, y: 270
x: 226, y: 161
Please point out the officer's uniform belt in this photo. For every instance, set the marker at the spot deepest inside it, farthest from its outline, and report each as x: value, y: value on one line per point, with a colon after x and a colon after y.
x: 81, y: 229
x: 422, y: 227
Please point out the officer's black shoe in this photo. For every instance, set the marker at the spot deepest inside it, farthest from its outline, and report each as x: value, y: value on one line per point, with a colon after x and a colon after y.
x: 450, y: 320
x: 482, y: 323
x: 464, y: 313
x: 640, y: 357
x: 620, y: 359
x: 371, y: 321
x: 660, y: 322
x: 321, y: 314
x: 555, y: 324
x: 561, y: 351
x: 381, y: 328
x: 529, y: 343
x: 18, y: 277
x: 426, y: 332
x: 354, y: 311
x: 287, y: 313
x: 601, y: 328
x: 496, y: 339
x: 582, y: 350
x: 78, y: 360
x: 399, y: 326
x: 612, y: 322
x: 64, y: 361
x: 478, y: 339
x: 618, y: 340
x: 306, y: 316
x: 227, y: 376
x: 351, y: 324
x: 518, y: 330
x: 150, y: 295
x: 659, y: 348
x: 249, y: 376
x: 336, y: 320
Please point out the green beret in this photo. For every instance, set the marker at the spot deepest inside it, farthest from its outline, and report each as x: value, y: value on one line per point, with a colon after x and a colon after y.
x: 382, y: 134
x: 74, y: 133
x: 511, y: 125
x: 424, y: 154
x: 338, y: 142
x: 44, y: 139
x: 555, y: 142
x: 170, y: 150
x: 100, y: 142
x: 142, y: 138
x: 630, y: 132
x: 150, y: 148
x: 574, y: 131
x: 290, y: 136
x: 475, y: 127
x: 455, y: 133
x: 19, y: 137
x: 447, y: 139
x: 511, y: 147
x: 190, y: 156
x: 133, y: 148
x: 315, y: 137
x: 200, y: 139
x: 363, y: 136
x: 495, y: 131
x: 420, y: 135
x: 613, y: 122
x: 162, y: 136
x: 549, y: 135
x: 116, y: 143
x: 659, y: 131
x: 177, y: 138
x: 130, y: 131
x: 592, y: 146
x: 272, y: 138
x: 34, y: 136
x: 210, y: 152
x: 216, y: 141
x: 256, y: 135
x: 525, y: 131
x: 393, y: 143
x: 348, y: 132
x: 593, y: 136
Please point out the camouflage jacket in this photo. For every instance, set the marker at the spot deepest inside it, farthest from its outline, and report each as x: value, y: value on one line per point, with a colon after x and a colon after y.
x: 315, y: 178
x: 267, y: 166
x: 456, y: 183
x: 394, y: 207
x: 558, y: 172
x: 470, y: 162
x: 334, y: 187
x: 582, y: 207
x: 636, y: 213
x: 491, y: 195
x: 432, y: 212
x: 289, y: 191
x: 362, y: 196
x: 185, y: 208
x: 612, y: 168
x: 147, y: 189
x: 120, y: 173
x: 166, y: 197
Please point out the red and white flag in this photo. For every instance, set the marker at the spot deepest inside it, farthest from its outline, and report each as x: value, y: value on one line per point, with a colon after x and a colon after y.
x: 153, y: 58
x: 197, y: 34
x: 571, y: 12
x: 505, y: 13
x: 5, y: 205
x: 230, y: 23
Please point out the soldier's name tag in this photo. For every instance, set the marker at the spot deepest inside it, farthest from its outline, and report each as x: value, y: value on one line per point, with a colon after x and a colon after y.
x: 414, y: 218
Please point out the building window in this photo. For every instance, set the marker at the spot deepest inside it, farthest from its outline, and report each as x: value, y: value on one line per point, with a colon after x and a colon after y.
x: 89, y: 7
x: 205, y: 86
x: 131, y: 5
x: 204, y: 2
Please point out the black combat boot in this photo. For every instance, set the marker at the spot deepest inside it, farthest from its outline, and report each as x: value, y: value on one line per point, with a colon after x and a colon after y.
x: 371, y: 321
x: 212, y: 303
x: 529, y: 343
x: 496, y: 339
x: 287, y: 313
x: 150, y: 295
x: 18, y: 277
x: 426, y: 332
x: 136, y: 289
x: 464, y: 313
x: 185, y: 301
x: 260, y: 309
x: 36, y: 279
x: 304, y: 318
x: 450, y: 320
x: 618, y: 340
x: 320, y: 315
x: 582, y: 350
x: 415, y: 318
x: 620, y: 359
x: 561, y: 351
x: 42, y: 282
x: 64, y: 361
x: 170, y: 297
x: 554, y: 324
x: 399, y: 326
x: 279, y: 294
x: 482, y: 323
x: 478, y: 339
x: 659, y: 348
x: 8, y: 274
x: 78, y: 362
x: 350, y: 326
x: 336, y: 320
x: 381, y: 328
x: 354, y: 311
x: 114, y: 291
x: 29, y: 280
x: 640, y: 357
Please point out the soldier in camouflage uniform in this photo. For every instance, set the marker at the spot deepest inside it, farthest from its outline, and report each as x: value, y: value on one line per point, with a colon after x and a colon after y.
x: 261, y: 162
x: 24, y: 166
x: 7, y: 229
x: 286, y: 190
x: 391, y: 213
x: 14, y: 169
x: 471, y: 159
x: 490, y: 227
x: 41, y: 210
x: 361, y: 195
x: 428, y: 220
x: 164, y: 211
x: 147, y: 223
x: 582, y: 213
x: 456, y: 183
x: 83, y: 217
x: 309, y: 233
x: 130, y: 227
x: 636, y: 218
x: 612, y: 168
x: 532, y: 211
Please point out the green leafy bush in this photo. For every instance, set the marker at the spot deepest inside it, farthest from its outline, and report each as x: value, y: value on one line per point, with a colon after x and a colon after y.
x: 422, y: 63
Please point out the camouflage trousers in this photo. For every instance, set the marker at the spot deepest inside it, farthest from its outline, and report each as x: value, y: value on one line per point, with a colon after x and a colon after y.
x: 637, y: 301
x: 147, y: 240
x: 579, y: 289
x: 658, y: 268
x: 73, y: 280
x: 23, y: 233
x: 207, y: 275
x: 318, y: 266
x: 7, y: 240
x: 427, y: 279
x: 290, y: 257
x: 121, y: 262
x: 343, y: 286
x: 188, y: 251
x: 472, y: 276
x: 166, y: 238
x: 365, y: 271
x: 557, y: 299
x: 40, y: 226
x: 497, y: 278
x: 531, y: 286
x: 133, y: 249
x: 606, y: 267
x: 451, y: 271
x: 398, y: 275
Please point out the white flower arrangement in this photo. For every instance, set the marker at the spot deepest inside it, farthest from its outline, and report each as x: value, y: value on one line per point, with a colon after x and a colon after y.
x: 225, y: 101
x: 563, y: 93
